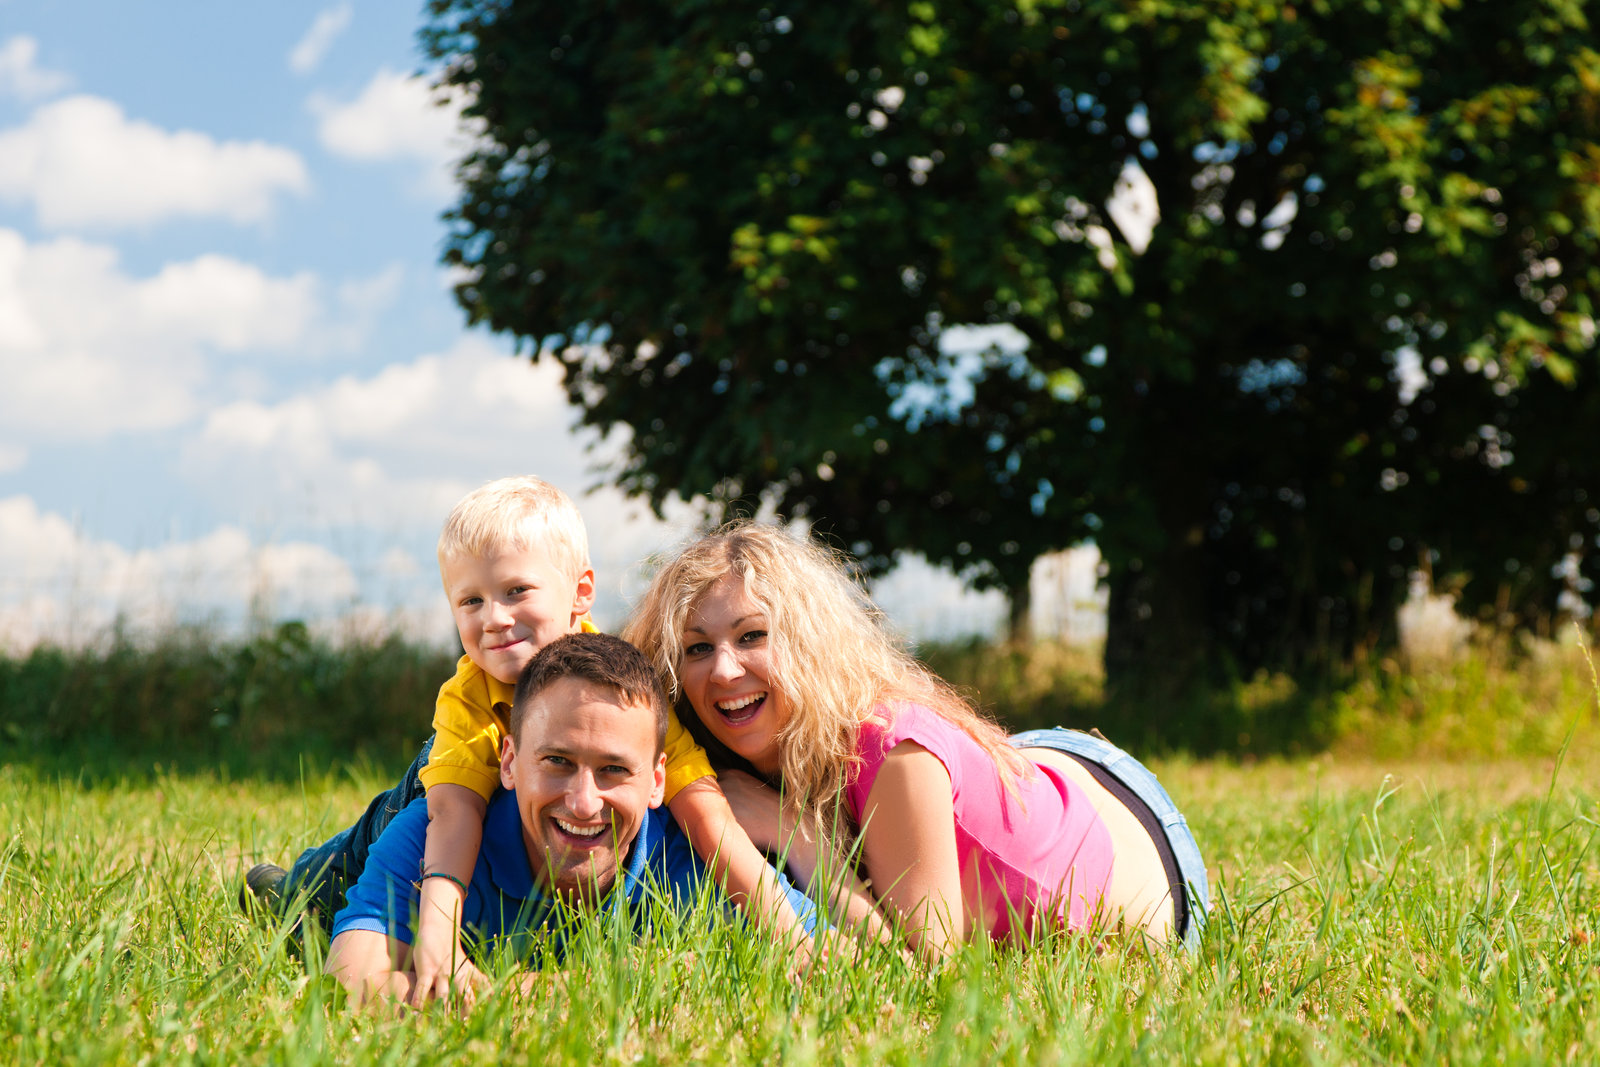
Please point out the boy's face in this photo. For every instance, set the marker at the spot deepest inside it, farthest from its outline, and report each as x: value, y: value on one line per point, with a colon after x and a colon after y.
x: 586, y: 769
x: 508, y: 605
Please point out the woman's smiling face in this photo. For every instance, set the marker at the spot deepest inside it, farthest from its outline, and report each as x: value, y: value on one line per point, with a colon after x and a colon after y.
x: 725, y: 673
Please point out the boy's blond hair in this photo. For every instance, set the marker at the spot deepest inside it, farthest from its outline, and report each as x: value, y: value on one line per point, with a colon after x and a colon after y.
x: 518, y: 513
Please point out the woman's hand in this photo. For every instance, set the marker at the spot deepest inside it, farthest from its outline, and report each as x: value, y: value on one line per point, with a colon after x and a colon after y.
x: 776, y: 827
x: 758, y: 808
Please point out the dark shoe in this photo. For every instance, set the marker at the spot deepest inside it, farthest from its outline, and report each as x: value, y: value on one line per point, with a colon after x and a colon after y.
x: 262, y: 892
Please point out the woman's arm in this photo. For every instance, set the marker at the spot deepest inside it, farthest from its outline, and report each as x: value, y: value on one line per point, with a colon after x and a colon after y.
x: 780, y: 830
x: 908, y: 844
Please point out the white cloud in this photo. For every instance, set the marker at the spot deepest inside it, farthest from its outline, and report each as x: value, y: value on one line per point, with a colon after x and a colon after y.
x: 358, y: 305
x: 397, y: 117
x: 226, y: 304
x: 394, y: 117
x: 369, y: 296
x: 81, y: 162
x: 370, y: 466
x: 393, y: 452
x: 65, y: 587
x: 86, y: 350
x: 934, y: 604
x: 21, y: 78
x: 324, y: 30
x: 405, y: 443
x: 397, y: 563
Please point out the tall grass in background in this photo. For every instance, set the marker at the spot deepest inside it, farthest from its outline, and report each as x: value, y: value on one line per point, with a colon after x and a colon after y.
x: 261, y: 704
x: 1489, y: 697
x: 285, y: 698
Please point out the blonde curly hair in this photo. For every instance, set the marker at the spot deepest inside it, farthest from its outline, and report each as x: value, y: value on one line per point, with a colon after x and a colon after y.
x: 830, y: 655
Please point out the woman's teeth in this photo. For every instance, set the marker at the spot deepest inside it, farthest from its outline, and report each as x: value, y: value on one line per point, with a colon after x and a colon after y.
x: 742, y: 709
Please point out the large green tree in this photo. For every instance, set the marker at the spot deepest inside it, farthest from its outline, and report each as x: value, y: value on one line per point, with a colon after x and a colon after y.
x: 1360, y: 338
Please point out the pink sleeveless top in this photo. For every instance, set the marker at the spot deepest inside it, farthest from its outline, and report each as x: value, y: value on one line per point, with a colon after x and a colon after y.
x: 1039, y: 853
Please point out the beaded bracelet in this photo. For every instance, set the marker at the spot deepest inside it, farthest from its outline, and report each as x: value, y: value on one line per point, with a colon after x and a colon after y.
x: 459, y: 884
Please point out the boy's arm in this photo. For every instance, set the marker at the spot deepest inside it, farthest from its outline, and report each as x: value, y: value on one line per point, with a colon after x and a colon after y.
x: 455, y: 832
x: 702, y: 812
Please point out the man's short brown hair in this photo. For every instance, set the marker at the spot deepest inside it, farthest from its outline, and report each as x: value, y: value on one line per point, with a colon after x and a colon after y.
x: 601, y: 659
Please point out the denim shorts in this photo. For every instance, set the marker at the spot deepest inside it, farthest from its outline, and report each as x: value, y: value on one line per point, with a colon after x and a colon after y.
x: 1142, y: 784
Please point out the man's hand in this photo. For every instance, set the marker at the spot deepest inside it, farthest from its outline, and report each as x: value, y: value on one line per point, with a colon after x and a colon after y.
x: 375, y: 970
x: 372, y: 967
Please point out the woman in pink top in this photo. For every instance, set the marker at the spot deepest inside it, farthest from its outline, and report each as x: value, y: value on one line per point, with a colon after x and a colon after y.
x: 779, y: 664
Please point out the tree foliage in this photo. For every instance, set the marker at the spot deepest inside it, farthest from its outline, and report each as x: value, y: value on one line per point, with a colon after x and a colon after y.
x: 1360, y: 338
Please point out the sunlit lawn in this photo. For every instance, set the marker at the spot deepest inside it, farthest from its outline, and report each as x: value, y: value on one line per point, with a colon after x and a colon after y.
x: 1362, y: 912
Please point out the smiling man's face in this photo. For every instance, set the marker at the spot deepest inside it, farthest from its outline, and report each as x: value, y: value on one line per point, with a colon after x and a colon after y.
x: 586, y: 768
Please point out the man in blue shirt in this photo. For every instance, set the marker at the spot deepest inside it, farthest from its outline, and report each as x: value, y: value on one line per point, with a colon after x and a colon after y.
x: 577, y: 824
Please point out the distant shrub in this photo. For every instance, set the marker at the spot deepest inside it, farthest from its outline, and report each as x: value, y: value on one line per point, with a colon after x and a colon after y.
x: 1024, y: 685
x: 285, y: 697
x: 1492, y: 697
x: 187, y: 697
x: 1498, y: 698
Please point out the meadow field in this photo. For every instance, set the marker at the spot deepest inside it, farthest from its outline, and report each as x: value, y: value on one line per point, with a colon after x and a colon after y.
x: 1380, y: 899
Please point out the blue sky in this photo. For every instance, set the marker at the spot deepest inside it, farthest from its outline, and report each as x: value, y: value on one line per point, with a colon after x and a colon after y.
x: 232, y: 376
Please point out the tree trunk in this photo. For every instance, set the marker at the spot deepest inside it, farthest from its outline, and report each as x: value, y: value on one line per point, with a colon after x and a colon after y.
x: 1020, y: 621
x: 1158, y: 644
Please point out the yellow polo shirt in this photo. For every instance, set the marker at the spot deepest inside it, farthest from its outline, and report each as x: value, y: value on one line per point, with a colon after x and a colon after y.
x: 473, y: 713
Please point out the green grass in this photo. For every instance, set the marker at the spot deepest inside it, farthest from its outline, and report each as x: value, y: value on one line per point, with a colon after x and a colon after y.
x: 1363, y: 912
x: 1421, y: 887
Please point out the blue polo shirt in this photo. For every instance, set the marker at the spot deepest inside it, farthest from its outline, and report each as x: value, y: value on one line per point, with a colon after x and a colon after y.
x: 503, y: 901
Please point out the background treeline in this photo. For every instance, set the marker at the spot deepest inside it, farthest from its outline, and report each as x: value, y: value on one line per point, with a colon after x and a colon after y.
x: 266, y: 704
x: 286, y: 701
